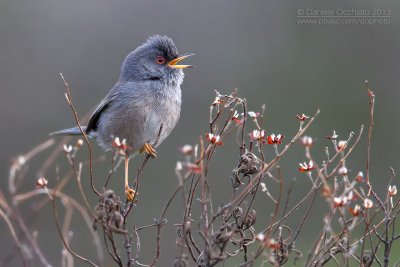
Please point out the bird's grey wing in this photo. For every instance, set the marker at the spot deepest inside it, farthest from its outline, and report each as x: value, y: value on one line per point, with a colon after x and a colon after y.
x: 101, y: 108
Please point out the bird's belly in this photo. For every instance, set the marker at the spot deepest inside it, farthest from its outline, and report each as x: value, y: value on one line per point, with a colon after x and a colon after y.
x: 142, y: 125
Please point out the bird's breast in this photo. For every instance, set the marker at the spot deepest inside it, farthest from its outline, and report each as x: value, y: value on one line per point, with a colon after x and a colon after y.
x: 167, y: 110
x: 157, y: 108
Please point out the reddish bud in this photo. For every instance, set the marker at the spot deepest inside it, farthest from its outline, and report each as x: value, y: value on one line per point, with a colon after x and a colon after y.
x: 356, y: 211
x: 272, y: 139
x: 304, y: 167
x: 302, y: 117
x: 392, y: 190
x: 41, y: 182
x: 214, y: 139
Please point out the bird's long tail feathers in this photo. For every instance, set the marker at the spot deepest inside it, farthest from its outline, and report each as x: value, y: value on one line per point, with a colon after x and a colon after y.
x: 69, y: 131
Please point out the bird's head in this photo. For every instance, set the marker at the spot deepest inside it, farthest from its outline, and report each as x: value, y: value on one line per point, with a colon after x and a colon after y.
x: 155, y: 60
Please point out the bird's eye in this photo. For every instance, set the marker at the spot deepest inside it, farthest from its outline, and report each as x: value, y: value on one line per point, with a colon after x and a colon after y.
x: 160, y: 60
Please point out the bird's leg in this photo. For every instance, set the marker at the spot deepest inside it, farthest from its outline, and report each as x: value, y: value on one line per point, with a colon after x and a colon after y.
x: 149, y: 150
x: 129, y: 192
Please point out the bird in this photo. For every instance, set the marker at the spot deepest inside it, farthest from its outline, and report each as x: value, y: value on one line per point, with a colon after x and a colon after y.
x: 143, y: 106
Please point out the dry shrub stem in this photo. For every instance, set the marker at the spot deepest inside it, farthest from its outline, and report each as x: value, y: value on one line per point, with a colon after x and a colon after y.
x: 68, y: 97
x: 359, y: 225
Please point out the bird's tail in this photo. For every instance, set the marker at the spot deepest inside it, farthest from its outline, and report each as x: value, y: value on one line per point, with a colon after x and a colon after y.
x: 69, y: 131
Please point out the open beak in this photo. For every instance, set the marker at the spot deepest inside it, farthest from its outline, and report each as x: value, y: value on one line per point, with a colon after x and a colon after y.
x: 173, y: 62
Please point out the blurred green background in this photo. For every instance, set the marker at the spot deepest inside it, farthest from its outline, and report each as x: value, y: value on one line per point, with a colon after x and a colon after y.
x: 255, y: 46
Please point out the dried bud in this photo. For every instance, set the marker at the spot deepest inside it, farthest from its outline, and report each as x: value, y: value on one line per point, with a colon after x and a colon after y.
x: 392, y: 190
x: 213, y: 138
x: 117, y: 142
x: 235, y: 118
x: 356, y: 211
x: 333, y: 137
x: 340, y: 201
x: 253, y: 114
x: 217, y: 101
x: 121, y: 146
x: 360, y: 177
x: 261, y: 237
x: 258, y: 135
x: 186, y: 149
x: 343, y: 171
x: 41, y: 182
x: 368, y: 203
x: 235, y: 115
x: 304, y: 167
x: 272, y: 139
x: 302, y: 117
x: 341, y: 144
x: 272, y: 243
x: 67, y: 149
x: 79, y: 143
x: 306, y: 141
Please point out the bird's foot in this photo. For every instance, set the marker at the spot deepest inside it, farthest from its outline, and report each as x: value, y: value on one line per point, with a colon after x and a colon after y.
x: 149, y: 150
x: 130, y: 194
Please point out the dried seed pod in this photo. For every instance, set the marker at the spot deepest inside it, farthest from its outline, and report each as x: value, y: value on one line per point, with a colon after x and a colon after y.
x: 237, y: 212
x: 182, y: 261
x: 249, y: 164
x: 250, y: 219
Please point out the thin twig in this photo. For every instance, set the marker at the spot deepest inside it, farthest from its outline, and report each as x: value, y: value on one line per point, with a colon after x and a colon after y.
x: 14, y: 236
x: 68, y: 96
x: 52, y: 198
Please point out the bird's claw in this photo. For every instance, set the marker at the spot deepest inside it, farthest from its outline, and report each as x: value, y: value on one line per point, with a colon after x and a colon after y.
x: 130, y: 194
x: 149, y: 150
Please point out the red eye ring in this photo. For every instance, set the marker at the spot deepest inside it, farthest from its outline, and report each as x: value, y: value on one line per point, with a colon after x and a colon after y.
x: 160, y: 60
